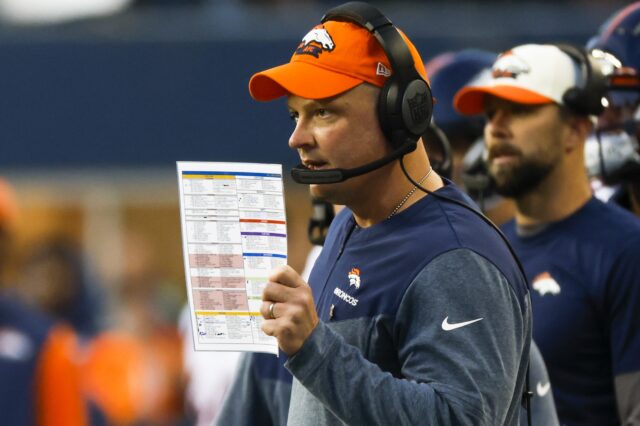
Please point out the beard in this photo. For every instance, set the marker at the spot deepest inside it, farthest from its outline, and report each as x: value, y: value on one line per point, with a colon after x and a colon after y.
x: 520, y: 178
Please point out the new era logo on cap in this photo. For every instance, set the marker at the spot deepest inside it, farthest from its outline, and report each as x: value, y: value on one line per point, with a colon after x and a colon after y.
x: 383, y: 70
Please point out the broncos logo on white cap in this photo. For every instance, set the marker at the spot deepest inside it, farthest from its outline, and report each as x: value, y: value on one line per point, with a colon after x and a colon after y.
x: 510, y: 66
x: 316, y: 40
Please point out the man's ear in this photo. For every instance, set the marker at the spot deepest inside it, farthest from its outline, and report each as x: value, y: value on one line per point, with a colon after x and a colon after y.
x: 579, y: 129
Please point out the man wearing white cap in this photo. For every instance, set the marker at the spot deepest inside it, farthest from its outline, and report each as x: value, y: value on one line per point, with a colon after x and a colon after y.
x: 582, y: 257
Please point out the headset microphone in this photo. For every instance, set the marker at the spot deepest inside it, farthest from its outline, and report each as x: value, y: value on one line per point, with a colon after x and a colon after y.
x: 304, y: 175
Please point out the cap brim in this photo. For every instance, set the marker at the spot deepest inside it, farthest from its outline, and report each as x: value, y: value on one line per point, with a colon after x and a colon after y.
x: 470, y: 100
x: 299, y: 79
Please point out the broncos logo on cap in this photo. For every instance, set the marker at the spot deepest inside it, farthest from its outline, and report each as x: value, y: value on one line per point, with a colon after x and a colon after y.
x: 315, y: 42
x: 510, y: 66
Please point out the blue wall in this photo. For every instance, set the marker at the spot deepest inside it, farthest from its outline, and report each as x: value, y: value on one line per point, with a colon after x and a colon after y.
x: 145, y: 103
x: 72, y: 97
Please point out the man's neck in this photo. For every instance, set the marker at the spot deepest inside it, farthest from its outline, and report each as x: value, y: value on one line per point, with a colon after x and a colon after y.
x: 558, y: 196
x: 390, y: 192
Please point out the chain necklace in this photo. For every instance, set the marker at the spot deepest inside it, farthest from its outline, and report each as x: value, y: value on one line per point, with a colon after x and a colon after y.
x: 410, y: 193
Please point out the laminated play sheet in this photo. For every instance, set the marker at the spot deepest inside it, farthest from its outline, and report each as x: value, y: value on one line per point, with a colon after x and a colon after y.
x: 234, y: 233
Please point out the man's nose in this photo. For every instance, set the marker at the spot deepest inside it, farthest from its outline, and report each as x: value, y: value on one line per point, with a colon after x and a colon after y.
x: 497, y: 125
x: 301, y: 135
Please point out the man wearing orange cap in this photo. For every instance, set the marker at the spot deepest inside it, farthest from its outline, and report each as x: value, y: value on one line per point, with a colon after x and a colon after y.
x: 580, y: 255
x: 415, y: 311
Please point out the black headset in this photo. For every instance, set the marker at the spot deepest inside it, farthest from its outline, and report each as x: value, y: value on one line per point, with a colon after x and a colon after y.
x: 443, y: 165
x: 478, y: 183
x: 405, y: 104
x: 586, y: 98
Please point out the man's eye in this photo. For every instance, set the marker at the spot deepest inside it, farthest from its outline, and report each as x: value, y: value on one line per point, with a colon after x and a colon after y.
x: 293, y: 116
x: 520, y: 110
x: 322, y: 112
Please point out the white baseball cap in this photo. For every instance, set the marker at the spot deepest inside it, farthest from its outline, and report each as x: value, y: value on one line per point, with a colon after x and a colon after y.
x: 533, y: 74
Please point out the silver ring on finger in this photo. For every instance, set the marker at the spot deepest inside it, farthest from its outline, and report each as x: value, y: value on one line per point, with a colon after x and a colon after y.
x: 271, y: 314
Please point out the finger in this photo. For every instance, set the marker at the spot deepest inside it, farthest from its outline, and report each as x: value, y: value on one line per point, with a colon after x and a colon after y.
x: 287, y: 276
x: 276, y: 292
x: 269, y: 327
x: 268, y: 312
x: 264, y: 309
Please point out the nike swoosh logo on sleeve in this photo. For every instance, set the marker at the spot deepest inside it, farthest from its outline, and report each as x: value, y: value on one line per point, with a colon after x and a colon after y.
x: 447, y: 326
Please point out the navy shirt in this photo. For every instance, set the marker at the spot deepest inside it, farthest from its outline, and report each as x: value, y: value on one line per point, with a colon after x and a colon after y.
x: 585, y: 278
x: 424, y: 320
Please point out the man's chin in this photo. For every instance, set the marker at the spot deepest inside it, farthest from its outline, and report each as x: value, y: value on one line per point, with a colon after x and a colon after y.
x: 503, y: 178
x: 515, y: 186
x: 318, y: 191
x: 508, y: 191
x: 324, y: 192
x: 502, y: 170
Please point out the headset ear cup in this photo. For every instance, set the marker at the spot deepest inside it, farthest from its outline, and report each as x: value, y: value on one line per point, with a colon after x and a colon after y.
x: 390, y: 113
x: 383, y: 111
x: 571, y: 99
x: 417, y: 107
x: 404, y: 112
x: 582, y: 101
x: 587, y: 97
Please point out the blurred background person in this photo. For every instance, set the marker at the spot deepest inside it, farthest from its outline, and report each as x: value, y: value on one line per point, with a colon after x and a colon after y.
x: 449, y: 72
x: 134, y: 367
x: 40, y: 381
x: 613, y: 151
x: 56, y: 279
x: 131, y: 363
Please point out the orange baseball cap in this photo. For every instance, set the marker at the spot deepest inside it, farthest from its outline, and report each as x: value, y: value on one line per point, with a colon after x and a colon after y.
x: 331, y: 58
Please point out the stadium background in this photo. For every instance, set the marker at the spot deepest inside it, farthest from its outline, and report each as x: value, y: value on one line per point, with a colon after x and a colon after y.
x: 95, y: 108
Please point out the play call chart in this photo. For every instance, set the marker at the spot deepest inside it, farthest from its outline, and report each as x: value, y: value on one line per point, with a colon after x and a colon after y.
x: 234, y: 232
